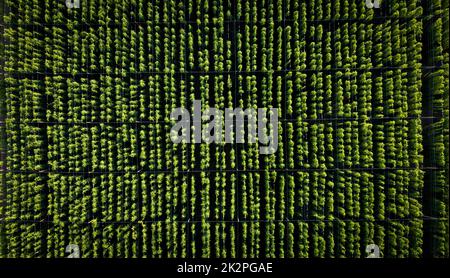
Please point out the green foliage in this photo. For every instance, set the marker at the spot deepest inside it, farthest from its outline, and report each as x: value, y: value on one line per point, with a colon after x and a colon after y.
x: 87, y: 159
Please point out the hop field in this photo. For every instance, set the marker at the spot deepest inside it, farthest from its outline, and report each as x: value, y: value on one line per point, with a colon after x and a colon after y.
x: 87, y: 158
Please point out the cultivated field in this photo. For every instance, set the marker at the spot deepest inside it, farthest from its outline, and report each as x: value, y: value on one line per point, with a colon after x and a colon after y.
x: 362, y: 153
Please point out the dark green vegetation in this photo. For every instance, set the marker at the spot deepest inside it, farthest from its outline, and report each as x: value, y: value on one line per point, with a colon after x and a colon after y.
x: 87, y: 158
